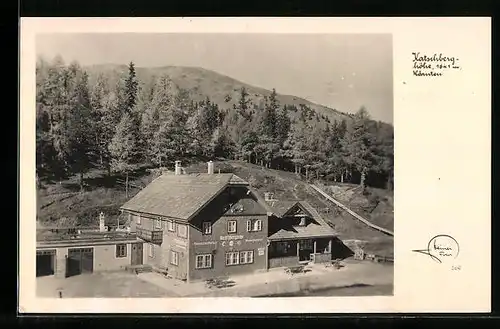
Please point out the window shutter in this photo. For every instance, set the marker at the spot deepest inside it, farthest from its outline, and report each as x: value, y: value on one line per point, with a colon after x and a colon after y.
x: 259, y: 225
x: 249, y: 225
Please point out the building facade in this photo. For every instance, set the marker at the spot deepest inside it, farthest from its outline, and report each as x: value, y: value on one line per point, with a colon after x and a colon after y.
x: 202, y: 226
x: 87, y: 253
x: 298, y: 234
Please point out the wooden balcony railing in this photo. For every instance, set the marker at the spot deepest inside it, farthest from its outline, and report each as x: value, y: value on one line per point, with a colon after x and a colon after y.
x: 91, y: 236
x: 155, y: 237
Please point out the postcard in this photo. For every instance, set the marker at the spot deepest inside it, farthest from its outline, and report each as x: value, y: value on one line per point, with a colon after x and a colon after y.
x: 255, y: 165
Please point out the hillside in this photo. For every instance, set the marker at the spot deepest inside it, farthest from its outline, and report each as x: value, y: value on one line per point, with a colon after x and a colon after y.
x: 62, y: 200
x: 221, y: 89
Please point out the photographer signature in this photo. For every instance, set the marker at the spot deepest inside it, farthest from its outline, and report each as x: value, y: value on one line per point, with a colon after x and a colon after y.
x: 441, y: 248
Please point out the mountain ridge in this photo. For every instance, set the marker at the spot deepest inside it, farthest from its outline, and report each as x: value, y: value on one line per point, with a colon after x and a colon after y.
x: 220, y: 88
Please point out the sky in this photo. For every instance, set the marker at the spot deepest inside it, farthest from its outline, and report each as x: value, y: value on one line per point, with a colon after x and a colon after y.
x: 341, y: 71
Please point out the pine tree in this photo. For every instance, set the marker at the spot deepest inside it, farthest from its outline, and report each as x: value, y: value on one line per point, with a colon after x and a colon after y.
x: 295, y: 147
x: 221, y: 145
x: 207, y: 118
x: 131, y: 89
x: 243, y: 103
x: 283, y: 125
x: 80, y: 124
x: 109, y: 119
x: 123, y: 147
x: 45, y: 153
x: 384, y: 153
x: 269, y: 119
x: 164, y: 123
x: 249, y: 141
x: 97, y: 96
x: 56, y: 104
x: 358, y: 144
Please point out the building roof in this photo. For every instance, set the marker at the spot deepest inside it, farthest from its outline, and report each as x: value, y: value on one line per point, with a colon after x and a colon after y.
x: 180, y: 196
x: 280, y: 208
x: 318, y: 228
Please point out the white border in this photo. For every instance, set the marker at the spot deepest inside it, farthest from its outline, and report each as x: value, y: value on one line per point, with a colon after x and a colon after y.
x: 442, y: 160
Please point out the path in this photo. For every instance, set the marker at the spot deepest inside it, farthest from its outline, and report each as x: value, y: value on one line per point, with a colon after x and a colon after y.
x: 276, y: 281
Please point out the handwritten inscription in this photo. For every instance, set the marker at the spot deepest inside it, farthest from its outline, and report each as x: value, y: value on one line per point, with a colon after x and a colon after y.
x: 435, y: 65
x: 441, y: 248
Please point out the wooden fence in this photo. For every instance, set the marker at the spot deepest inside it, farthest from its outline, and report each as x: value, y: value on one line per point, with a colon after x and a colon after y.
x: 352, y: 213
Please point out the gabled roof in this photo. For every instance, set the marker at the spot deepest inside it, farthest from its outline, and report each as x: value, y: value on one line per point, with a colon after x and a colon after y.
x: 180, y: 196
x: 280, y: 208
x: 318, y: 229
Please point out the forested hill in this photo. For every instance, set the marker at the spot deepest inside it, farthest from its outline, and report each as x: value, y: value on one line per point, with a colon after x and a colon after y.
x: 222, y: 90
x: 120, y: 119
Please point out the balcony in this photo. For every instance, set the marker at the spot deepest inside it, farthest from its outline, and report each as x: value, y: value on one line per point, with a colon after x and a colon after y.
x: 155, y: 237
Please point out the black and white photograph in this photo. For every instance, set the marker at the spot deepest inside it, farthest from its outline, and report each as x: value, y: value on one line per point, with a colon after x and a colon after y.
x: 254, y: 165
x: 213, y: 165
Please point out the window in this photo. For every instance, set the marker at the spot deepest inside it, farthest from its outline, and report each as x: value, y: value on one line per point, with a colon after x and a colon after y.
x: 182, y: 231
x: 232, y: 258
x: 171, y: 226
x: 254, y: 225
x: 174, y: 257
x: 306, y: 244
x: 231, y: 226
x: 283, y: 247
x: 151, y: 250
x: 204, y: 261
x: 121, y: 250
x: 246, y: 257
x: 138, y: 220
x: 207, y: 227
x: 158, y: 223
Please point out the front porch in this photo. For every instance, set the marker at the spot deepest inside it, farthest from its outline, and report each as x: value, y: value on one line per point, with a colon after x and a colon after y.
x: 299, y: 251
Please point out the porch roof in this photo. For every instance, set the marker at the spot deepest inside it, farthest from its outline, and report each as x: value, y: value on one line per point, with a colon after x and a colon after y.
x: 318, y: 229
x: 303, y: 232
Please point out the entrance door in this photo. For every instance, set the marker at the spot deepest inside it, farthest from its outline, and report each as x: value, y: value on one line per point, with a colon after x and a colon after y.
x: 137, y: 256
x: 80, y: 260
x: 306, y: 248
x: 88, y: 260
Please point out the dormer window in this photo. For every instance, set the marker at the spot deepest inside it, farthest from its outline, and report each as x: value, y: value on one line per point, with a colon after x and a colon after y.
x: 237, y: 209
x: 302, y: 221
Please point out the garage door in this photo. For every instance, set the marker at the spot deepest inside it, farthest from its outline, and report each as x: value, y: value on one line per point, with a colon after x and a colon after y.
x: 80, y: 260
x: 45, y: 262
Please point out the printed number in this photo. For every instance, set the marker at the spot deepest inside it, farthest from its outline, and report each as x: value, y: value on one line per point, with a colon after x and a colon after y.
x: 456, y: 268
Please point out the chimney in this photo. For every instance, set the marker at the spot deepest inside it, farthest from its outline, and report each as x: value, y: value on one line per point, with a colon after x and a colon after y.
x: 210, y: 167
x: 178, y: 168
x: 102, y: 228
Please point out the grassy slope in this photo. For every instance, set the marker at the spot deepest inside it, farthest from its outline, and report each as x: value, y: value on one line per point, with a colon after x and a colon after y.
x: 63, y: 200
